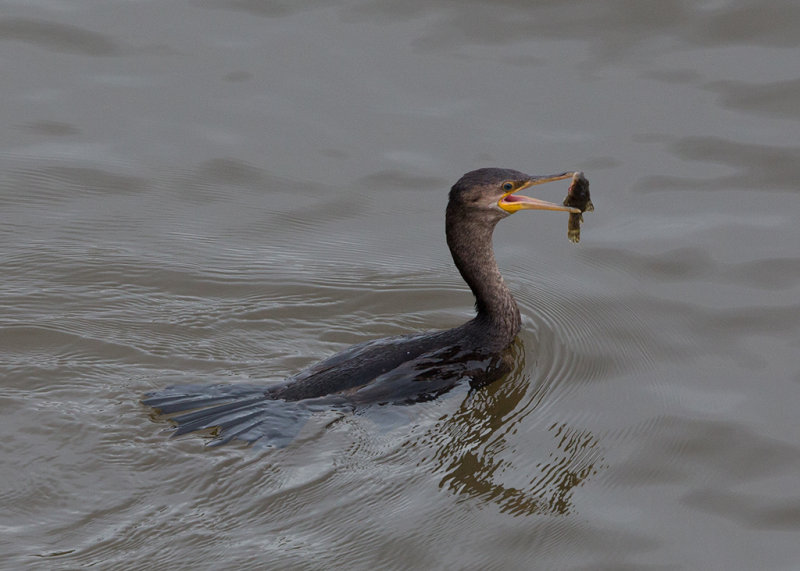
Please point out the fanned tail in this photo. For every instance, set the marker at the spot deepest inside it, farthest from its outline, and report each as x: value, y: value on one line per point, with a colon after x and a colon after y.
x: 234, y: 412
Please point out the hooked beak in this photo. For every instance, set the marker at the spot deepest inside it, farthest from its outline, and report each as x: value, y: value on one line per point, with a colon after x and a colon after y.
x: 511, y: 202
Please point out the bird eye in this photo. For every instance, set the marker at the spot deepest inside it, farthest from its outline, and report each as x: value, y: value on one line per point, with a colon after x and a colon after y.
x: 508, y: 186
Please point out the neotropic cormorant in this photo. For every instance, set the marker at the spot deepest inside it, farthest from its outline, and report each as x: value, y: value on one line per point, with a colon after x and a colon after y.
x: 404, y: 369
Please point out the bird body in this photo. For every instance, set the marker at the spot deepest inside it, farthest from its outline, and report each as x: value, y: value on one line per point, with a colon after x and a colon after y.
x: 403, y: 369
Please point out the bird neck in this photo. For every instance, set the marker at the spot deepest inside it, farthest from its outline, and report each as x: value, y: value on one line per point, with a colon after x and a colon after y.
x: 470, y: 244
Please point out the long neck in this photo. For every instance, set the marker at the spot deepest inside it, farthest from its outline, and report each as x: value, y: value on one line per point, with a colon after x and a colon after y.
x: 470, y: 243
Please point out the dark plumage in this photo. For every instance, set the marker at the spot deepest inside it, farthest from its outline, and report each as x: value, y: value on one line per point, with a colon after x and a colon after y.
x: 405, y: 369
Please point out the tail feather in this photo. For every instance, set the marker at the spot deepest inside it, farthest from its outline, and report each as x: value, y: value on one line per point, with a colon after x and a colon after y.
x: 214, y: 416
x: 220, y: 420
x: 189, y: 397
x: 236, y: 411
x: 172, y: 405
x: 231, y: 434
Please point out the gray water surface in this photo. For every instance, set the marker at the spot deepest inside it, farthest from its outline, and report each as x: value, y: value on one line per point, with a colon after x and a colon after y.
x: 229, y: 190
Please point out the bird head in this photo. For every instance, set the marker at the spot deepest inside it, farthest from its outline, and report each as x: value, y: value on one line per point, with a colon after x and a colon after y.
x: 492, y: 191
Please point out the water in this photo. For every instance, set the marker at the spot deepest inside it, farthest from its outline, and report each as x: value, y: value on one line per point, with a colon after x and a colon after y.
x: 227, y: 191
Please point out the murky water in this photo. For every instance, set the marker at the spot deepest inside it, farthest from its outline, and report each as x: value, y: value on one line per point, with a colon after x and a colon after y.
x: 227, y: 191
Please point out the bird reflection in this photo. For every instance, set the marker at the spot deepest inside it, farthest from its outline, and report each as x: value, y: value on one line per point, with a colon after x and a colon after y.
x: 473, y: 449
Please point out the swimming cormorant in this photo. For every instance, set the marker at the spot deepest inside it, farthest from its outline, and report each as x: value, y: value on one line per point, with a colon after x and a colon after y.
x: 404, y: 369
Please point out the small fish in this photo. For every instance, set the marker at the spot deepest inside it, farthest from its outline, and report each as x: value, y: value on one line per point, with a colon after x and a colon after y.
x: 577, y: 197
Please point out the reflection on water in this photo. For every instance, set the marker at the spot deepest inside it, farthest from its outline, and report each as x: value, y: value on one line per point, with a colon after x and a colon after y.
x: 474, y: 456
